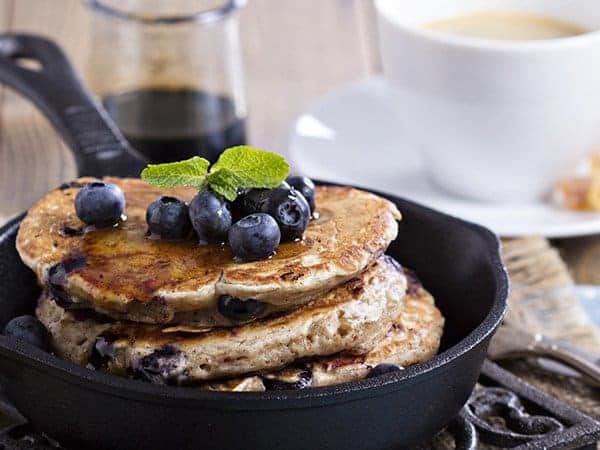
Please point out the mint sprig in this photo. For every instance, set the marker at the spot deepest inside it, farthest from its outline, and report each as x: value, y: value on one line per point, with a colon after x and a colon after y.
x: 237, y: 167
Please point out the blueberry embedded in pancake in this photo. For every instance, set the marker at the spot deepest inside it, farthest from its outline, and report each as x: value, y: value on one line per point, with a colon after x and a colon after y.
x: 133, y: 277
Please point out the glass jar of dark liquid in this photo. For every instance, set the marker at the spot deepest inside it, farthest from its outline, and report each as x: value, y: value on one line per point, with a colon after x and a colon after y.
x: 170, y: 74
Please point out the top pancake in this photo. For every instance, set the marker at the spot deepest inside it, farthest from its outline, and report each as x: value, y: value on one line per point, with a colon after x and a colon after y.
x: 121, y: 272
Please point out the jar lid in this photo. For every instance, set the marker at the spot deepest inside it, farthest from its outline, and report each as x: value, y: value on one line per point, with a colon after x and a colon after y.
x: 147, y: 16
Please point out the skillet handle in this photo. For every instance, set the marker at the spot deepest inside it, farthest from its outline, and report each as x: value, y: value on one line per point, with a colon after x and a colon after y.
x: 97, y: 144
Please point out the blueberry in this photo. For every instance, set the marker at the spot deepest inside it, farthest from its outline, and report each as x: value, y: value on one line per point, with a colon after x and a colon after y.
x: 71, y: 231
x: 102, y: 352
x: 287, y: 206
x: 57, y: 274
x: 306, y: 187
x: 57, y: 278
x: 167, y: 365
x: 100, y: 204
x: 301, y: 381
x: 290, y: 210
x: 238, y: 206
x: 211, y: 217
x: 253, y: 201
x: 28, y: 329
x: 382, y: 369
x: 239, y: 310
x: 168, y: 217
x: 254, y: 237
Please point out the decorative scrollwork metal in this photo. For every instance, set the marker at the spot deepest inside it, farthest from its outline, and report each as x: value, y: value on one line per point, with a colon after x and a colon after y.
x: 464, y: 433
x: 21, y: 437
x: 501, y: 419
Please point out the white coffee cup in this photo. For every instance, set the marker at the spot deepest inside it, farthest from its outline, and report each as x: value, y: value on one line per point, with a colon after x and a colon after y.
x: 495, y: 120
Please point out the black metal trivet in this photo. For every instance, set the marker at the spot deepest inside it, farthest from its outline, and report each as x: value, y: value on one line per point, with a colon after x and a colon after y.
x: 503, y: 411
x: 506, y: 412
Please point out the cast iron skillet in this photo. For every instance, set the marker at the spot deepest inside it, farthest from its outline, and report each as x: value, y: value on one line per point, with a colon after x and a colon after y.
x: 458, y: 261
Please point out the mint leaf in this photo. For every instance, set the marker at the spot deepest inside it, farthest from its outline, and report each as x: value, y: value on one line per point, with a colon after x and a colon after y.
x: 247, y: 167
x: 189, y: 173
x: 225, y: 183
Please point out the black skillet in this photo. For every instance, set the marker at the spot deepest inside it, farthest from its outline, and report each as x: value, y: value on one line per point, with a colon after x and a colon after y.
x: 458, y: 261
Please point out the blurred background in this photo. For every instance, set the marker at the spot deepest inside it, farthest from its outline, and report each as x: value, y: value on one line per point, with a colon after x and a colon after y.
x: 292, y: 52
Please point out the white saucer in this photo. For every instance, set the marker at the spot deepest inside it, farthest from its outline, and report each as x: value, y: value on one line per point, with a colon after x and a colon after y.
x: 351, y: 136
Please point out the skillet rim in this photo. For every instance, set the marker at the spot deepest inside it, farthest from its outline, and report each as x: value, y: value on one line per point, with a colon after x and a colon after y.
x: 286, y: 399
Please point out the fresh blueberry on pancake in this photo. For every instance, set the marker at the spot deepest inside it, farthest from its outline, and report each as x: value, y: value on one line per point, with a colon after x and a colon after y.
x: 243, y: 182
x: 100, y: 204
x: 28, y: 329
x: 237, y: 206
x: 290, y: 210
x: 306, y: 187
x: 240, y: 310
x: 254, y: 237
x: 211, y: 217
x: 253, y: 200
x: 168, y: 218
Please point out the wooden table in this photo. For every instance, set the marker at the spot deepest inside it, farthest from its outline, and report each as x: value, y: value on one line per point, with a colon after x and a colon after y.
x: 294, y: 50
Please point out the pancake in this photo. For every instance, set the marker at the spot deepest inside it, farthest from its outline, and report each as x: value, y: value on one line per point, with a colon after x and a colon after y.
x: 352, y: 318
x: 123, y: 273
x: 413, y: 337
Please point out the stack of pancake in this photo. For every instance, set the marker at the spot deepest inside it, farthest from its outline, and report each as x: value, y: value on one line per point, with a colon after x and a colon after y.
x: 325, y: 310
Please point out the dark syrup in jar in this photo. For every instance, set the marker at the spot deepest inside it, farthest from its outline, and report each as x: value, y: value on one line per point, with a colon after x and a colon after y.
x: 174, y: 124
